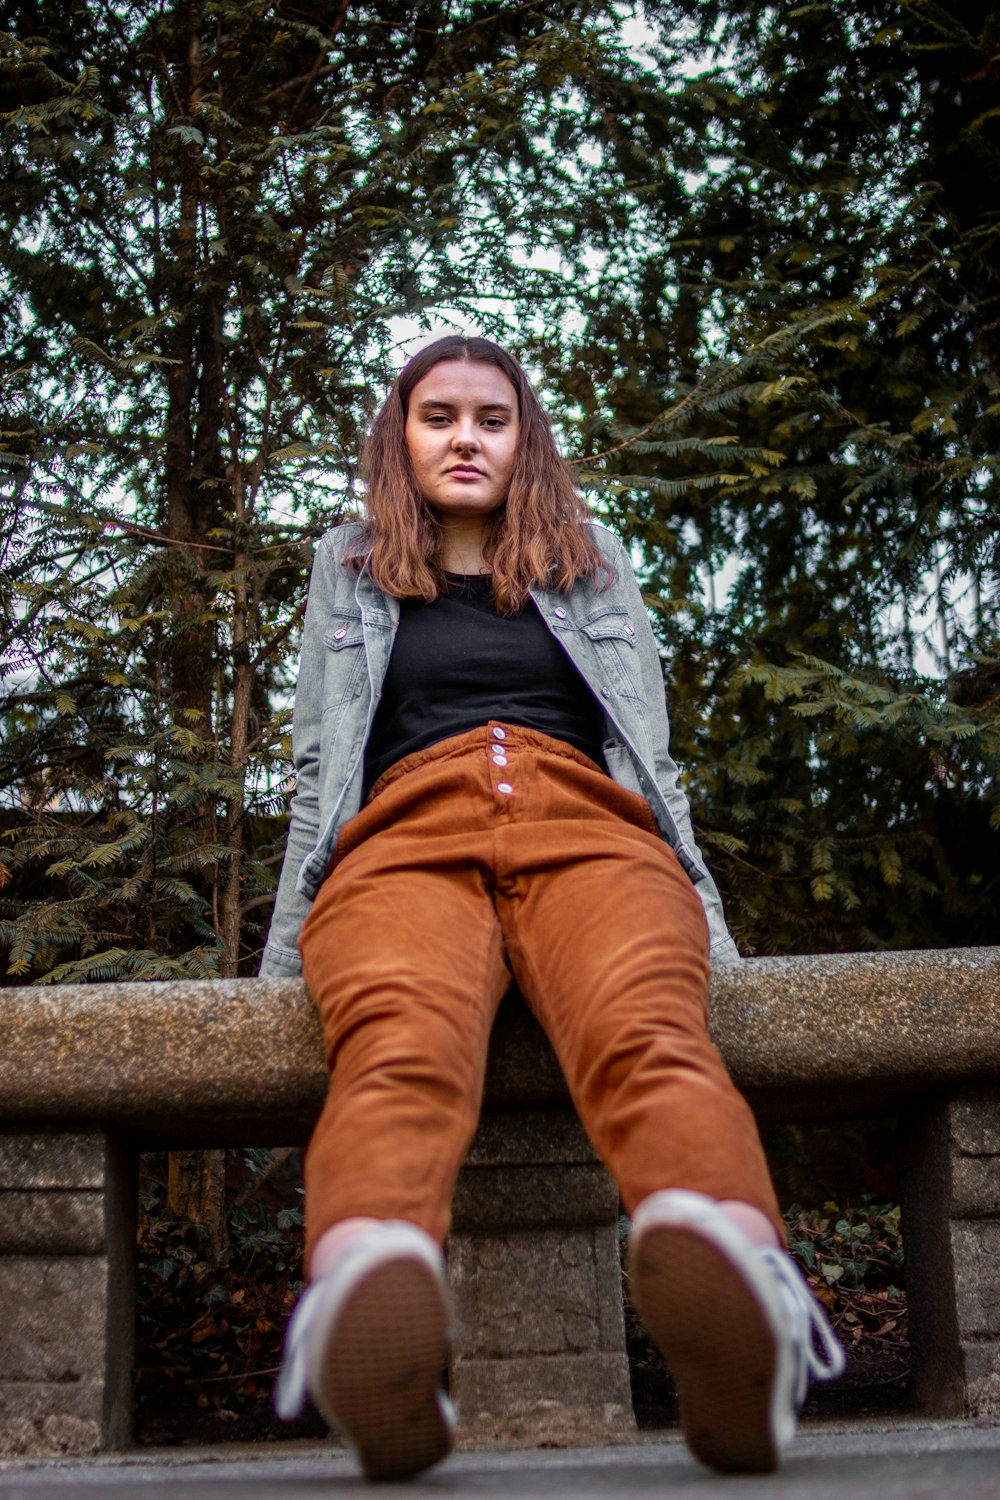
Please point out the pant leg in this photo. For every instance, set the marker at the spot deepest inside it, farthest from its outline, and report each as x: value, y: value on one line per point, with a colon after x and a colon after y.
x: 402, y: 954
x: 608, y: 942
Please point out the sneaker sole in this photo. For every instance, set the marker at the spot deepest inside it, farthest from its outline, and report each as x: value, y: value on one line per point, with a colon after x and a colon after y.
x: 718, y: 1343
x: 379, y: 1375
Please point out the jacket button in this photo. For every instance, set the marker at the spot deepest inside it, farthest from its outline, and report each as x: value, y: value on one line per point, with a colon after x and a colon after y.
x: 560, y: 614
x: 338, y: 635
x: 504, y: 786
x: 498, y: 733
x: 605, y: 692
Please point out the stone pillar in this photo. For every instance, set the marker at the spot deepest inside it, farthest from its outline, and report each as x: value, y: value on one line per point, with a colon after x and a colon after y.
x: 950, y: 1165
x: 67, y: 1312
x: 534, y: 1269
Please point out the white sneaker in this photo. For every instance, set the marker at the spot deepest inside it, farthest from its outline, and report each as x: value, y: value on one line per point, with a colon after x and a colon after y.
x: 736, y: 1324
x: 368, y: 1341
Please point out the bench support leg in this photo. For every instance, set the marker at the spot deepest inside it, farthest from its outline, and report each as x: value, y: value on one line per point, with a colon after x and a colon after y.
x: 67, y: 1252
x: 535, y: 1274
x: 950, y: 1166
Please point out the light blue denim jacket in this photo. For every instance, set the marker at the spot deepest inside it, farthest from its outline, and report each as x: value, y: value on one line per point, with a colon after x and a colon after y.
x: 346, y: 642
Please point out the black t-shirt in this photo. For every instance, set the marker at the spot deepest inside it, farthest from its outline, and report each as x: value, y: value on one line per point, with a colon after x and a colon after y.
x: 456, y: 663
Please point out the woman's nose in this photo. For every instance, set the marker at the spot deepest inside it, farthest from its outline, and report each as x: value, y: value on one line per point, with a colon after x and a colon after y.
x: 465, y: 436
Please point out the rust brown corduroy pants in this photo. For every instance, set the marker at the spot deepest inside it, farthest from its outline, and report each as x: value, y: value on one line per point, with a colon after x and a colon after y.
x: 498, y: 851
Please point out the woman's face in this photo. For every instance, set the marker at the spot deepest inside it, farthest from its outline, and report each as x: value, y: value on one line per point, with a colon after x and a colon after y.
x: 461, y: 434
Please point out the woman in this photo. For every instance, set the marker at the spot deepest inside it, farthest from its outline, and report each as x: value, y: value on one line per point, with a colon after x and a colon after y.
x: 484, y: 788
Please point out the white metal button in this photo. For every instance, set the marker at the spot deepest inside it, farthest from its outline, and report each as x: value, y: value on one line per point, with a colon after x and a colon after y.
x: 504, y: 786
x: 498, y: 733
x: 338, y: 635
x: 499, y: 759
x: 560, y: 614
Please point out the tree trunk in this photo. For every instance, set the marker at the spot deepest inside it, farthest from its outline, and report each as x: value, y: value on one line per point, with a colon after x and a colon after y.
x: 193, y: 484
x: 196, y: 1190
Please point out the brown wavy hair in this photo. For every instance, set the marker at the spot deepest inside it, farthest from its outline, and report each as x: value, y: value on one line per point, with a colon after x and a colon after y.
x: 537, y: 536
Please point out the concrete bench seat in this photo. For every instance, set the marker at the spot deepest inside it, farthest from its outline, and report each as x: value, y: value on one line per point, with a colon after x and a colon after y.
x: 91, y: 1075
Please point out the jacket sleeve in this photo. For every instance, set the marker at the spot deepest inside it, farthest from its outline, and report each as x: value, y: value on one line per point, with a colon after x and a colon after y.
x: 281, y: 955
x: 723, y: 949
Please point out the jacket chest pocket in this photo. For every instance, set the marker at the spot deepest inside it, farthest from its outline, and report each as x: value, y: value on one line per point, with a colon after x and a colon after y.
x: 612, y: 637
x: 345, y: 668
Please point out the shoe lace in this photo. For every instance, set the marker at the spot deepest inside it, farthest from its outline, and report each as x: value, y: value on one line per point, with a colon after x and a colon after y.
x: 290, y: 1388
x: 808, y: 1321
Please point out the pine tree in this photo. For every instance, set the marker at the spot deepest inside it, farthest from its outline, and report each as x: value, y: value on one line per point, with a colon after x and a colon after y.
x: 210, y: 215
x: 799, y: 355
x: 776, y: 308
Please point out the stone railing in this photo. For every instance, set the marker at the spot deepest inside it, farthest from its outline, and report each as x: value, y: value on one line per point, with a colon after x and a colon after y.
x: 89, y: 1075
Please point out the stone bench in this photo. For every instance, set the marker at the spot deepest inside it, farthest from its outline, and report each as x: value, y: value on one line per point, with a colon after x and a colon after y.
x: 89, y: 1075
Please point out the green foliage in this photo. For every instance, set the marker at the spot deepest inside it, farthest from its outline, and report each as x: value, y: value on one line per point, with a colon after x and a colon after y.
x: 209, y: 1331
x: 796, y: 336
x: 120, y: 829
x: 757, y: 271
x: 851, y: 1248
x: 852, y: 1256
x: 209, y: 217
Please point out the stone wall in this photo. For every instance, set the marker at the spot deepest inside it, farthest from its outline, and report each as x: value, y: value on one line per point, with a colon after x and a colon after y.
x: 950, y: 1159
x: 534, y: 1265
x: 67, y: 1247
x: 534, y: 1269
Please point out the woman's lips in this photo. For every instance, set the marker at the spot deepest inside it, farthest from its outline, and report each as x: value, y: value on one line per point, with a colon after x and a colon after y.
x: 464, y: 471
